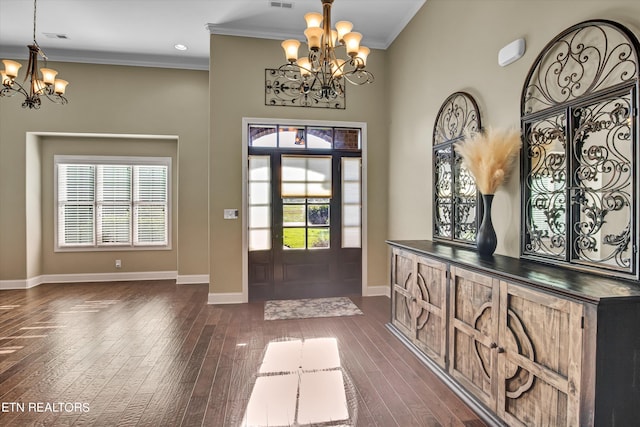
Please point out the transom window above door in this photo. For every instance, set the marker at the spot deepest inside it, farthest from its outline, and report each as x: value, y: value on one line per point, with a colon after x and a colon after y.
x: 304, y: 137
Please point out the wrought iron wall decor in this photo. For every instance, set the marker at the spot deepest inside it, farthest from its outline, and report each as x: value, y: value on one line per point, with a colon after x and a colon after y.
x: 579, y: 109
x: 281, y: 89
x: 455, y: 197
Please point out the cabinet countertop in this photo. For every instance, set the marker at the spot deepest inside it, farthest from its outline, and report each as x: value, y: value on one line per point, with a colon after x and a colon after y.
x: 585, y: 286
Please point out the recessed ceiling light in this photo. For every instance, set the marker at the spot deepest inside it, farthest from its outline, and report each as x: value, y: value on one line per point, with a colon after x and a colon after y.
x: 180, y: 47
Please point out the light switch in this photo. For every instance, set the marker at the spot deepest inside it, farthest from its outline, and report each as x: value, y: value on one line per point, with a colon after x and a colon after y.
x: 231, y: 214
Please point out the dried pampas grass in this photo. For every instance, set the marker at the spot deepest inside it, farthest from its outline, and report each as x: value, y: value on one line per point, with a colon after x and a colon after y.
x: 489, y: 156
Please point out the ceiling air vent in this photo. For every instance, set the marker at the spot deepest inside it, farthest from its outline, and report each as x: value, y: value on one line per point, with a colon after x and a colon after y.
x: 55, y: 36
x: 281, y: 4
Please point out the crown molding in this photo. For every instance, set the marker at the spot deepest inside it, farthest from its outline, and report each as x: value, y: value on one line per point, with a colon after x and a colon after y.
x: 403, y: 23
x: 221, y: 29
x: 112, y: 58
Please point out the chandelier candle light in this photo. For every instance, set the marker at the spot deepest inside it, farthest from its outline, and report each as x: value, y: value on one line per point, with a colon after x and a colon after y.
x: 47, y: 85
x: 321, y: 74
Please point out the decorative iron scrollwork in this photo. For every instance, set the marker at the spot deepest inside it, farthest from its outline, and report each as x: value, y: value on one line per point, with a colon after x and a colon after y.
x: 284, y: 88
x: 443, y: 190
x: 546, y: 182
x: 458, y: 114
x: 455, y: 193
x: 579, y: 112
x: 586, y: 58
x: 603, y: 177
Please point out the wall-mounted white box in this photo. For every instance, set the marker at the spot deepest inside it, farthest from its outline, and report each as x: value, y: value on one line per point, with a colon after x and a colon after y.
x: 231, y: 214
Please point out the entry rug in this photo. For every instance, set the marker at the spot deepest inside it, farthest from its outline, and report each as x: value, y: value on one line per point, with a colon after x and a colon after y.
x: 306, y: 308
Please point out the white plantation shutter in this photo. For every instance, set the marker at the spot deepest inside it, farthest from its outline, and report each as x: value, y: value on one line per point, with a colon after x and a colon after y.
x: 112, y: 201
x: 76, y: 195
x: 114, y: 204
x: 150, y: 205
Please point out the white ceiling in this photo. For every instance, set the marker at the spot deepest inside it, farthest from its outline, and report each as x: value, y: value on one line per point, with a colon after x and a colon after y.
x: 144, y: 32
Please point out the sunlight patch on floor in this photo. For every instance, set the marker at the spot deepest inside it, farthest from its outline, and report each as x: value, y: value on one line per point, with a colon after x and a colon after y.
x: 301, y: 382
x: 14, y: 337
x: 10, y: 349
x: 42, y: 327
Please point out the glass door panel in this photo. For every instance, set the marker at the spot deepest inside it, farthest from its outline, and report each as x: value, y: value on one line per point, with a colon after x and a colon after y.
x: 259, y: 203
x: 351, y: 202
x: 306, y: 183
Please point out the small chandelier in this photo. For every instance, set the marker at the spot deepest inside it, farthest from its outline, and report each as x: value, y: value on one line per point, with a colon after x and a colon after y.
x: 48, y: 86
x: 322, y: 74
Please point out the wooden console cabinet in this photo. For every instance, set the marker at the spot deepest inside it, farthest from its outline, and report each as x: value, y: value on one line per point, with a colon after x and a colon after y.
x: 523, y: 343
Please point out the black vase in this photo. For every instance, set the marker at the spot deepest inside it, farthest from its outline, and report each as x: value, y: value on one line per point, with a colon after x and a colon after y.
x: 486, y: 239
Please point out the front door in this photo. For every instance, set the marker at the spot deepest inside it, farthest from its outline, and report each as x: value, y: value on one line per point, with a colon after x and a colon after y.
x: 304, y: 214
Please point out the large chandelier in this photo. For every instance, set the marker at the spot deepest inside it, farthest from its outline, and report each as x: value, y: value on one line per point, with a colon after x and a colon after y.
x: 47, y: 85
x: 322, y: 74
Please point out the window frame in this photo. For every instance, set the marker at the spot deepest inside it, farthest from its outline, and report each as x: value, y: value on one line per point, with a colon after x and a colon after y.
x: 346, y: 142
x: 96, y: 160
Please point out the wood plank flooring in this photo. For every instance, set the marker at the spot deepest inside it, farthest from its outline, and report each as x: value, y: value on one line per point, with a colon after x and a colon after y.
x: 154, y: 353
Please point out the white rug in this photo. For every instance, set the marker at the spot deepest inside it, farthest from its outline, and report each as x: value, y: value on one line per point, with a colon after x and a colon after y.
x: 312, y: 307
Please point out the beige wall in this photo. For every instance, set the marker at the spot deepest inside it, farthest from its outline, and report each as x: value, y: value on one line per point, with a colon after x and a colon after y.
x: 452, y: 45
x: 104, y: 100
x: 237, y: 91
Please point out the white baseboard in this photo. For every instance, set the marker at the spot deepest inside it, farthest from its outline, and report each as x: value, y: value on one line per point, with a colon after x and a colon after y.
x: 6, y: 285
x: 192, y: 279
x: 378, y: 291
x: 89, y: 277
x: 226, y: 298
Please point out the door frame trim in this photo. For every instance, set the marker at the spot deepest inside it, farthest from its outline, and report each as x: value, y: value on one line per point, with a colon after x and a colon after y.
x: 246, y: 121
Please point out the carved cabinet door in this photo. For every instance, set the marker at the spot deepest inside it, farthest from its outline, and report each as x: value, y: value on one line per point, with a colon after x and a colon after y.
x: 402, y: 276
x: 430, y: 308
x: 473, y: 332
x: 540, y: 354
x: 419, y: 302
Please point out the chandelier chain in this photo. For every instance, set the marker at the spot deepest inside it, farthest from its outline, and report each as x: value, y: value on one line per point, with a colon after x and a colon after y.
x: 35, y: 5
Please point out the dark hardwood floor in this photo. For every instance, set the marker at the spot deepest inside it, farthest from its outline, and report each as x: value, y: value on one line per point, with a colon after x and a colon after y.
x: 155, y: 354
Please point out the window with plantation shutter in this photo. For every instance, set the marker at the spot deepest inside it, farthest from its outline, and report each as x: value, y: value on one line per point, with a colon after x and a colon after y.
x: 150, y: 205
x: 76, y: 195
x: 112, y: 202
